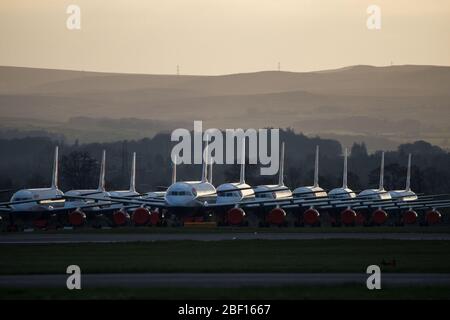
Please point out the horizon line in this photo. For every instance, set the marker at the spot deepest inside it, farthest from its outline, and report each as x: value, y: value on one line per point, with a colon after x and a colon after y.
x: 225, y: 74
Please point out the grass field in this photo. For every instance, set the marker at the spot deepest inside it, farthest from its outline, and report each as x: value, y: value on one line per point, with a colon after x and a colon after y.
x: 380, y: 229
x: 282, y: 293
x: 228, y: 256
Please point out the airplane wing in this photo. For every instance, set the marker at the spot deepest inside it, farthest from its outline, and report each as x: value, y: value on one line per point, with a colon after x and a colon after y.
x: 327, y: 203
x: 153, y: 202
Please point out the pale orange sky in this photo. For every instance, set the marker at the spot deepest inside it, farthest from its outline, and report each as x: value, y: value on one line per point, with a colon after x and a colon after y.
x: 222, y: 36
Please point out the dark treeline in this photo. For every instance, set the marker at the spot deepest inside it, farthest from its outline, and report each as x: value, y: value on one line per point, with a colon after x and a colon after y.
x: 26, y: 162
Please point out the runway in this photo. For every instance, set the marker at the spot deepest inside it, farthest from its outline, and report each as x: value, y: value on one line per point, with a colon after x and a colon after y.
x: 49, y: 238
x: 223, y: 280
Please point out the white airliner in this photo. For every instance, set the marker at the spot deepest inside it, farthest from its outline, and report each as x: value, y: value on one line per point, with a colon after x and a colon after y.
x: 100, y: 192
x: 275, y: 191
x: 407, y: 194
x: 380, y: 193
x: 39, y: 199
x: 191, y: 193
x: 131, y: 192
x: 344, y: 192
x: 234, y: 192
x: 314, y: 191
x: 202, y: 194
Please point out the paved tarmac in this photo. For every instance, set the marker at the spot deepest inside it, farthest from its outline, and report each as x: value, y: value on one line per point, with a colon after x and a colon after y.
x: 35, y: 238
x: 128, y: 280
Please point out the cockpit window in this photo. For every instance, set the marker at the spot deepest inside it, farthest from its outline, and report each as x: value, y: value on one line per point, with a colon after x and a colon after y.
x: 178, y: 193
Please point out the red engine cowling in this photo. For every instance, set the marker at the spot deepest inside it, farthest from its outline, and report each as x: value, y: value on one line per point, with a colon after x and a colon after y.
x: 141, y: 217
x: 276, y: 216
x: 235, y: 216
x: 121, y: 218
x: 39, y: 223
x: 77, y: 218
x: 409, y: 217
x: 154, y: 218
x: 348, y: 217
x: 311, y: 217
x: 433, y: 217
x: 379, y: 217
x: 360, y: 218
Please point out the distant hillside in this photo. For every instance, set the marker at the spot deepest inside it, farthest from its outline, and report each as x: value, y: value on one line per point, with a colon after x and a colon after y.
x: 386, y: 104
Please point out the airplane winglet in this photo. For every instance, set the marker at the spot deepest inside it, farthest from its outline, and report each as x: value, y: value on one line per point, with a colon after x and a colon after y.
x: 55, y: 169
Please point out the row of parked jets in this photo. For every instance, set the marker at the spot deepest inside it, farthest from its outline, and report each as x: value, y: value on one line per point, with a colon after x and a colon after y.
x: 234, y: 203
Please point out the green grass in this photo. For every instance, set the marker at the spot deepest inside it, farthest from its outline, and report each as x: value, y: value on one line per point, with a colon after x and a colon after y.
x: 382, y: 229
x: 228, y: 256
x: 284, y: 293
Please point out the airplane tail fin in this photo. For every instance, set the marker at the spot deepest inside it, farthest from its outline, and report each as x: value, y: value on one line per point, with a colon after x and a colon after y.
x: 210, y: 174
x: 381, y: 187
x: 101, y: 181
x: 316, y: 168
x: 281, y: 171
x: 133, y: 174
x: 242, y: 175
x: 205, y: 162
x: 408, y: 174
x: 344, y: 175
x: 174, y: 170
x: 55, y: 169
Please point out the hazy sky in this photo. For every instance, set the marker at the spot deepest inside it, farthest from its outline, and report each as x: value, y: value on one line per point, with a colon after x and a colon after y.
x: 222, y: 36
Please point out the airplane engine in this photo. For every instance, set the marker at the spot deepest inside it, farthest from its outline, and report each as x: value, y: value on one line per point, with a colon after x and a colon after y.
x: 235, y: 216
x: 409, y: 217
x: 433, y: 217
x: 77, y: 218
x: 276, y: 216
x: 141, y: 216
x: 311, y: 217
x: 348, y: 217
x: 154, y: 218
x: 39, y: 223
x: 120, y: 218
x: 379, y: 217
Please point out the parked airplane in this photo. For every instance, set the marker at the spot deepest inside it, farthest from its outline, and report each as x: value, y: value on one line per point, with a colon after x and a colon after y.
x: 275, y: 191
x: 314, y: 191
x: 234, y: 192
x: 100, y: 192
x: 27, y: 200
x: 185, y: 194
x: 380, y: 193
x: 270, y: 201
x: 343, y: 192
x: 407, y: 194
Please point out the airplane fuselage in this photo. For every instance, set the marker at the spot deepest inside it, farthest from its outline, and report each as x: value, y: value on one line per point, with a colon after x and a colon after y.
x: 190, y: 194
x: 38, y: 194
